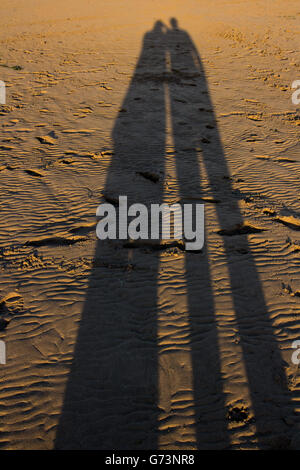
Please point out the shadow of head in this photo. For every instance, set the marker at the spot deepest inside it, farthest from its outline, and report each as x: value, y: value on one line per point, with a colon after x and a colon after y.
x: 159, y: 27
x: 174, y: 23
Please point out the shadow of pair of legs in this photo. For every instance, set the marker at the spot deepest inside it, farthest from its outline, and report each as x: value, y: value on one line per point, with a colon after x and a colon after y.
x: 111, y: 399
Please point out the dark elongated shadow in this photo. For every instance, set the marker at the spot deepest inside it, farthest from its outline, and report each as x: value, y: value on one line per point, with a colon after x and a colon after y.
x: 261, y: 355
x: 111, y: 395
x: 187, y: 90
x: 111, y: 399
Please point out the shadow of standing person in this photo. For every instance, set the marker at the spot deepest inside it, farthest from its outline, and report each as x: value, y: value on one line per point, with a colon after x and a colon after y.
x: 186, y: 96
x: 261, y: 355
x: 111, y: 399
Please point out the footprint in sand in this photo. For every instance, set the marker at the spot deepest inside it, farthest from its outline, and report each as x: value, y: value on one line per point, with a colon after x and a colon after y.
x: 288, y: 290
x: 11, y: 304
x: 48, y: 139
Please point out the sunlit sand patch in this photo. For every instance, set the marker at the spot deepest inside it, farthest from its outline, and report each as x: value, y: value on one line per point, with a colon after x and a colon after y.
x: 25, y: 130
x: 232, y: 113
x: 78, y: 131
x: 254, y: 117
x: 6, y: 147
x: 291, y: 222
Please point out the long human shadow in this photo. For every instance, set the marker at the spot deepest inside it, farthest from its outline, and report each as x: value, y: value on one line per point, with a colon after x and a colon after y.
x: 111, y: 398
x: 264, y: 366
x: 111, y: 395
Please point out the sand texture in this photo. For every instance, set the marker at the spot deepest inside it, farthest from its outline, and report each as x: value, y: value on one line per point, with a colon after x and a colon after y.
x: 112, y: 345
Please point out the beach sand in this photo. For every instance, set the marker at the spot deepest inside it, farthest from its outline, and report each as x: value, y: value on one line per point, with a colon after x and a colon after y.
x: 112, y: 346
